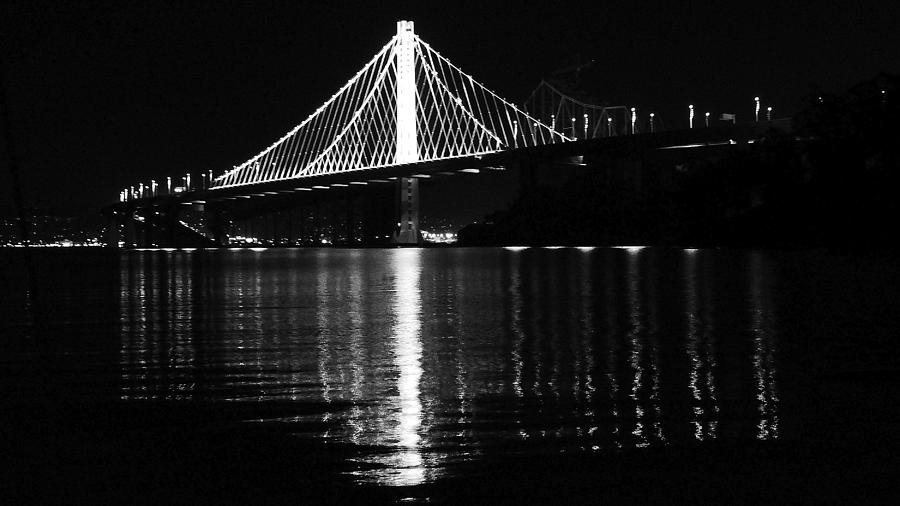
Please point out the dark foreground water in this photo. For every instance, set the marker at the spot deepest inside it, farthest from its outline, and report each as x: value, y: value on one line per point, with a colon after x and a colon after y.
x: 428, y: 374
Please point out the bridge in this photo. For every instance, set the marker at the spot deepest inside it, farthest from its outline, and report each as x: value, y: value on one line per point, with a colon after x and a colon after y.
x: 408, y: 115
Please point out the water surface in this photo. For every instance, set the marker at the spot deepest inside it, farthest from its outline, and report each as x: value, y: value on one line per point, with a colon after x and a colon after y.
x: 428, y: 359
x: 440, y: 355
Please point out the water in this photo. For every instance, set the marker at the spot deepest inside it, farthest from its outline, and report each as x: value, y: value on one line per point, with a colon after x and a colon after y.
x: 424, y: 360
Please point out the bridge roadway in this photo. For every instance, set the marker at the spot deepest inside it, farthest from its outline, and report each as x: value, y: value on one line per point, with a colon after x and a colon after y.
x: 245, y: 198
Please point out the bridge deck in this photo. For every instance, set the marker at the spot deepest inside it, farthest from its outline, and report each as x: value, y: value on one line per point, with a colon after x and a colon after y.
x: 617, y: 146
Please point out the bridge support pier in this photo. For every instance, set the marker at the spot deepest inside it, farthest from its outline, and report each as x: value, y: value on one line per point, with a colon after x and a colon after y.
x: 407, y: 232
x: 217, y: 224
x: 130, y: 229
x: 112, y: 233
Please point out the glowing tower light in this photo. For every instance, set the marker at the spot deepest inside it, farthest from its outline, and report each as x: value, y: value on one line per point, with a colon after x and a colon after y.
x: 407, y: 149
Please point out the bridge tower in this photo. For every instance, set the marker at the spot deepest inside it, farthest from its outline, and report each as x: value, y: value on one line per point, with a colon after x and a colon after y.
x: 407, y: 140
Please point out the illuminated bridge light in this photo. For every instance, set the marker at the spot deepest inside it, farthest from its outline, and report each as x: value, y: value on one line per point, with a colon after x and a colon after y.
x: 630, y: 249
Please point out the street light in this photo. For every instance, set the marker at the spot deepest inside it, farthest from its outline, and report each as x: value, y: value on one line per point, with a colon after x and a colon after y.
x: 691, y: 117
x: 707, y: 120
x: 769, y: 113
x: 633, y: 119
x: 651, y: 122
x: 585, y: 125
x: 609, y: 126
x: 757, y: 108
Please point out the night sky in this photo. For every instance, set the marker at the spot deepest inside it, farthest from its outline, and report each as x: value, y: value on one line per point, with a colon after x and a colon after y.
x: 107, y: 94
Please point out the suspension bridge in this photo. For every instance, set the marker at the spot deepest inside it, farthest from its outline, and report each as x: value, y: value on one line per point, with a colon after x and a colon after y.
x: 408, y: 114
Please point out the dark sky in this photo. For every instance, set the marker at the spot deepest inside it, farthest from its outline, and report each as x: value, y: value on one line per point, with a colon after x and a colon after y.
x: 108, y: 94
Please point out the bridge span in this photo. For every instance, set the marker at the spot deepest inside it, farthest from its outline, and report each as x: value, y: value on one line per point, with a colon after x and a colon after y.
x: 408, y: 115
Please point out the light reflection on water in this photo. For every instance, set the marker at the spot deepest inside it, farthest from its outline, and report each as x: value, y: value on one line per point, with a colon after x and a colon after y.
x: 450, y: 355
